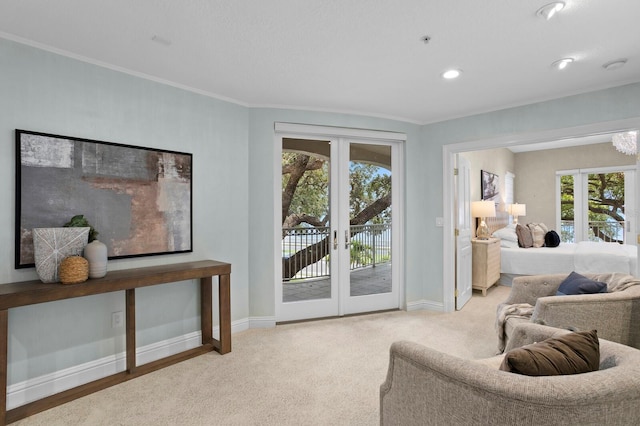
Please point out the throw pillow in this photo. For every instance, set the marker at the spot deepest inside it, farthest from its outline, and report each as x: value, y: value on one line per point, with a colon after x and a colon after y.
x: 524, y: 236
x: 538, y: 231
x: 507, y: 233
x: 579, y: 284
x: 574, y: 353
x: 509, y: 244
x: 551, y: 239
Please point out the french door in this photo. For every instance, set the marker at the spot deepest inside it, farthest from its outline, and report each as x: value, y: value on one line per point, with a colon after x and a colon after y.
x: 339, y: 226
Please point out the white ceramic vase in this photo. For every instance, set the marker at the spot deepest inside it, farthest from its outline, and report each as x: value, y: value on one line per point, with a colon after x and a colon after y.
x: 96, y: 253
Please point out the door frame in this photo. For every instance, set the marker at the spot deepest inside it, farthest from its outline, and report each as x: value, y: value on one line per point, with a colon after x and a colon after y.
x: 308, y: 131
x: 448, y: 165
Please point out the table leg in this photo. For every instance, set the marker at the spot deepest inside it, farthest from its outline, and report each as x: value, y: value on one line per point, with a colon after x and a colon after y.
x: 130, y: 325
x: 224, y: 296
x: 4, y: 343
x: 206, y: 311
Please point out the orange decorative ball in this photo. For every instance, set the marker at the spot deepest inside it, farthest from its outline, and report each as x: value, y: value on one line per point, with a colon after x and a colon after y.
x: 74, y: 270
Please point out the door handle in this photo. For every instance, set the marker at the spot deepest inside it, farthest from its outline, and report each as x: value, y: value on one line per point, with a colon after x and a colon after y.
x: 335, y: 240
x: 346, y: 239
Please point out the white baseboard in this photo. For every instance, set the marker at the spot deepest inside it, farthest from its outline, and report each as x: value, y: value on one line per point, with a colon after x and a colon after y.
x: 262, y: 322
x: 49, y: 384
x: 425, y: 305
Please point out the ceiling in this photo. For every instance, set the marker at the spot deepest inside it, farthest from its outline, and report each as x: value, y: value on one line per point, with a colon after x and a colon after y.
x: 357, y: 56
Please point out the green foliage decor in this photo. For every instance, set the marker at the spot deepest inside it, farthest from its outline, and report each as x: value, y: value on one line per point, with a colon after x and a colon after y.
x: 79, y: 221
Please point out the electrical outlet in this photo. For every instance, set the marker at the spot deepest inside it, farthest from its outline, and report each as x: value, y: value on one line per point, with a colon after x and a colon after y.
x: 117, y: 319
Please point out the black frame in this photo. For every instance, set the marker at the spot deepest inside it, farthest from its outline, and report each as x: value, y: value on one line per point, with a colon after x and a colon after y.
x: 112, y: 185
x: 490, y: 183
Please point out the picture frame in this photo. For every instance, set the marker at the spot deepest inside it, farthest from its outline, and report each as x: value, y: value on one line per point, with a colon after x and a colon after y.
x: 139, y: 199
x: 490, y: 185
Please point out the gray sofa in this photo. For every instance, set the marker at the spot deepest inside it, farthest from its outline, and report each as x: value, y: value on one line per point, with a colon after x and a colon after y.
x: 616, y: 314
x: 428, y: 387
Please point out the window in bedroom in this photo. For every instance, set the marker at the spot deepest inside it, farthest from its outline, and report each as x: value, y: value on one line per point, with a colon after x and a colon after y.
x: 592, y: 204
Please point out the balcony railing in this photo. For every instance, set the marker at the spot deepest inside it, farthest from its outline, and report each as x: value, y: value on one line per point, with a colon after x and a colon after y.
x: 369, y: 245
x: 603, y: 231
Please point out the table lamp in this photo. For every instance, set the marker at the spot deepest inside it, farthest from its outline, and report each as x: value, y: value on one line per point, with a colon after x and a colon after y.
x: 516, y: 210
x: 483, y: 209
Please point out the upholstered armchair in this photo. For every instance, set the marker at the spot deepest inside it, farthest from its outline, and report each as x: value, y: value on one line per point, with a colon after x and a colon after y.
x: 428, y: 387
x: 615, y: 314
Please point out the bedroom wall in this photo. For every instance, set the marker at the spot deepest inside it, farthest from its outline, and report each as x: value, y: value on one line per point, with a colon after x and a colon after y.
x: 536, y: 175
x: 498, y: 161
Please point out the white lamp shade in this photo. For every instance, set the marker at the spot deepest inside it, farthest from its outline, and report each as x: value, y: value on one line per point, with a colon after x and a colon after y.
x: 483, y: 209
x: 518, y: 209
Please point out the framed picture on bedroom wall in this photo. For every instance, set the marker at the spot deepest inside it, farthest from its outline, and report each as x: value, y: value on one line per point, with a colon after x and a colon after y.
x: 138, y: 199
x: 490, y: 186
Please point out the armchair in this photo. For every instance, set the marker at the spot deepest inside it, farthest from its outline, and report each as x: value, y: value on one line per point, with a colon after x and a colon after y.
x: 615, y: 314
x: 428, y: 387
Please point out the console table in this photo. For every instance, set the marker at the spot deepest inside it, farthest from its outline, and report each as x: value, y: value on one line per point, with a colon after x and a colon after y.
x: 24, y: 293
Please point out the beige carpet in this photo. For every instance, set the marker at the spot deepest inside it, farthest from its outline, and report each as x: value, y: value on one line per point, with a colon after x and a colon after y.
x: 325, y: 372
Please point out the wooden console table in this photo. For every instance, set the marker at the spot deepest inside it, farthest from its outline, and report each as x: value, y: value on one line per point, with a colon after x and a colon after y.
x: 32, y: 292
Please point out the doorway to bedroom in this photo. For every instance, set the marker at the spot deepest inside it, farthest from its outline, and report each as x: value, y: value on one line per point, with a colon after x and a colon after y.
x: 540, y: 194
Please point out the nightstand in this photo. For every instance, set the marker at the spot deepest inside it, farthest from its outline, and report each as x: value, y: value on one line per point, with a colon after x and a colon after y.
x: 486, y: 263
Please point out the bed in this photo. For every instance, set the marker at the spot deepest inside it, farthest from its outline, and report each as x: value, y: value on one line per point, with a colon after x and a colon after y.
x: 582, y: 257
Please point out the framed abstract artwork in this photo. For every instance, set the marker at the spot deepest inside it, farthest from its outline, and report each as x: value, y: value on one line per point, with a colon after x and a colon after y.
x: 138, y: 199
x: 490, y: 186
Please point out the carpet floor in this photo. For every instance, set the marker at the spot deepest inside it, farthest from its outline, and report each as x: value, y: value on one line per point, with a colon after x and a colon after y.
x: 324, y: 372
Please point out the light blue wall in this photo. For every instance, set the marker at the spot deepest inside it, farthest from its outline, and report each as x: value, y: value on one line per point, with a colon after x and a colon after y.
x: 600, y: 106
x: 44, y: 92
x: 233, y: 149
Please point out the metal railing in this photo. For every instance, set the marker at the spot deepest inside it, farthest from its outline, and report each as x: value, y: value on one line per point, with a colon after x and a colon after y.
x: 601, y: 231
x: 369, y: 245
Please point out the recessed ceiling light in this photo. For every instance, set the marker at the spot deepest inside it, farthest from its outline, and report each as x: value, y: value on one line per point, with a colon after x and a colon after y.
x: 547, y: 11
x: 562, y: 63
x: 451, y: 74
x: 614, y: 65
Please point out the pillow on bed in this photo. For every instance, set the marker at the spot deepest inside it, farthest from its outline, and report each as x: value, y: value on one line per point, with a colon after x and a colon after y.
x: 551, y: 239
x: 538, y: 231
x: 525, y: 239
x: 508, y: 233
x: 509, y: 244
x: 579, y: 284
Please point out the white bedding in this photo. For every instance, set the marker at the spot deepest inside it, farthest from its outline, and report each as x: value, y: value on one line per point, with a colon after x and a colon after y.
x: 583, y: 257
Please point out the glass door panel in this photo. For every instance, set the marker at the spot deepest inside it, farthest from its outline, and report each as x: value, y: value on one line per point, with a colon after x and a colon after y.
x: 369, y: 240
x: 308, y: 285
x: 369, y: 219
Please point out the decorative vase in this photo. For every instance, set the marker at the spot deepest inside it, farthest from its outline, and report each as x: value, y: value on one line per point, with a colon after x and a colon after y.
x: 96, y: 253
x: 74, y: 270
x: 51, y: 245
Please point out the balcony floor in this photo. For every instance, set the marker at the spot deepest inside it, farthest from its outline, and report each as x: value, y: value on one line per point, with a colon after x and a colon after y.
x: 369, y: 280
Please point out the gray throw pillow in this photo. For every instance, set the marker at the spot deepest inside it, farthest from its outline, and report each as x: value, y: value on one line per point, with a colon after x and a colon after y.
x: 524, y: 236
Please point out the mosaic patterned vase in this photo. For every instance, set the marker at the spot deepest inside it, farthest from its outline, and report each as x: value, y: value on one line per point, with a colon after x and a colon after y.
x: 51, y: 245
